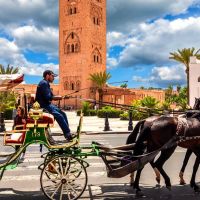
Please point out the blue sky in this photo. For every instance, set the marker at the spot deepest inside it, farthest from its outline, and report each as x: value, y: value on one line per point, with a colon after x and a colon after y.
x: 140, y: 35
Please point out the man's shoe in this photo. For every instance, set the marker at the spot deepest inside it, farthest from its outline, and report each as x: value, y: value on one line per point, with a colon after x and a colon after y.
x: 70, y: 137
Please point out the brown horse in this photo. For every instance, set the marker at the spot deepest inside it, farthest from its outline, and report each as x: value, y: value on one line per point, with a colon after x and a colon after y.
x: 164, y: 129
x: 147, y: 122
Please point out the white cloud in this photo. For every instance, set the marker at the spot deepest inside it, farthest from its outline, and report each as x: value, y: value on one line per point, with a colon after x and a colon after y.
x: 10, y: 54
x: 111, y: 63
x: 39, y: 12
x: 164, y: 76
x: 38, y: 40
x: 124, y: 15
x: 152, y: 43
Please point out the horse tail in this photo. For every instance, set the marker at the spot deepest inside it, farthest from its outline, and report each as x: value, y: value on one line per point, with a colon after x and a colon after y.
x: 140, y: 146
x: 133, y: 135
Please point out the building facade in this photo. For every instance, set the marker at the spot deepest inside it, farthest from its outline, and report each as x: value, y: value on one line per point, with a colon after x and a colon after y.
x: 194, y: 80
x: 82, y: 45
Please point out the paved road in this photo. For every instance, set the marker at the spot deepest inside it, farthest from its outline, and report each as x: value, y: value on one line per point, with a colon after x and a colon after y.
x: 24, y: 182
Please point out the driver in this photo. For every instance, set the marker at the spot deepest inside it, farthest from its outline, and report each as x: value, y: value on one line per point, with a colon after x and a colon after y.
x: 44, y: 97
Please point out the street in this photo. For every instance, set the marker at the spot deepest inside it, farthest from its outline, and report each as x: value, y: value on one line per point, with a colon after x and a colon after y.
x: 24, y: 181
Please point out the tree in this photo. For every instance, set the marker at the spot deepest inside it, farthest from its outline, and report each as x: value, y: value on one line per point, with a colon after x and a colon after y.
x: 7, y: 98
x: 8, y: 70
x: 183, y: 56
x: 100, y: 79
x: 149, y: 102
x: 124, y: 85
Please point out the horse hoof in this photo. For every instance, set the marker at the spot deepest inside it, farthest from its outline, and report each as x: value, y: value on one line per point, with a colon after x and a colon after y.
x: 169, y: 188
x: 139, y: 194
x: 192, y: 185
x: 158, y: 185
x: 182, y: 182
x: 158, y: 180
x: 131, y: 184
x: 196, y: 189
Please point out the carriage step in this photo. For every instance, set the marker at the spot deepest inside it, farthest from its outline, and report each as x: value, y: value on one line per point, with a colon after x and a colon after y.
x: 5, y: 155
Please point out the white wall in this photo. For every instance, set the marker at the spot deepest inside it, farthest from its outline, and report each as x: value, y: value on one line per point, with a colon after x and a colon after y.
x: 194, y: 74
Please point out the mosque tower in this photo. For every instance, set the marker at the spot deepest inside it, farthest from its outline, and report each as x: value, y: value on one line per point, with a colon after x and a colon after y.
x: 82, y: 45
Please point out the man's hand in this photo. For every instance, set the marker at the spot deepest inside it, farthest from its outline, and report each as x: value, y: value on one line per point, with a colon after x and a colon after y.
x: 57, y: 98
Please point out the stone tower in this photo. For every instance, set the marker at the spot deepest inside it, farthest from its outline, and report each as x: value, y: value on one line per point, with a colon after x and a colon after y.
x: 82, y: 45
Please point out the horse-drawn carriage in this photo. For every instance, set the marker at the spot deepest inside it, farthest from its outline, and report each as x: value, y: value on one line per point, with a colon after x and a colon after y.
x: 64, y: 170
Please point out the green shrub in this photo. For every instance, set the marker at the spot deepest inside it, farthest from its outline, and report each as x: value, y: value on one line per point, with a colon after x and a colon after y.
x: 8, y: 113
x: 112, y: 112
x: 93, y: 112
x: 89, y: 112
x: 124, y: 116
x: 137, y: 115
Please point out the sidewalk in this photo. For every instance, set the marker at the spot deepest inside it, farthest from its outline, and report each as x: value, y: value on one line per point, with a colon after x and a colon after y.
x: 91, y: 125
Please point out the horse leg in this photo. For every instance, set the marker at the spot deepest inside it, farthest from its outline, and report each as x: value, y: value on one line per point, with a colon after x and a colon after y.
x: 185, y: 161
x: 195, y: 168
x: 132, y: 179
x: 157, y: 173
x: 164, y: 156
x: 136, y: 183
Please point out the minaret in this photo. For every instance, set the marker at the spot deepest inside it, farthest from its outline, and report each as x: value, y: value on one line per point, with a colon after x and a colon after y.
x: 82, y: 45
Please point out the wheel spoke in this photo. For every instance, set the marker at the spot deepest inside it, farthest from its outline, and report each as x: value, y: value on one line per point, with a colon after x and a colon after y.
x: 67, y: 164
x: 61, y: 192
x: 61, y: 167
x: 72, y: 188
x: 50, y: 173
x: 56, y: 190
x: 54, y: 168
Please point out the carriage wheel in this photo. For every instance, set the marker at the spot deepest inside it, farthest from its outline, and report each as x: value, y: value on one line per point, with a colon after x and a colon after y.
x: 63, y: 178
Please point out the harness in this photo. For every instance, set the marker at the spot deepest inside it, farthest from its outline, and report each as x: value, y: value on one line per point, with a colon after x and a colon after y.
x: 181, y: 129
x: 182, y: 126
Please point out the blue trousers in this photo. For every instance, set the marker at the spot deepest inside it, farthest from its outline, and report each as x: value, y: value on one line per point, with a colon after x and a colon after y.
x: 60, y: 117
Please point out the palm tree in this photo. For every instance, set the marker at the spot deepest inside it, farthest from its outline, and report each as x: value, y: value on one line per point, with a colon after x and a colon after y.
x: 100, y: 79
x: 8, y: 70
x: 183, y: 56
x: 124, y: 85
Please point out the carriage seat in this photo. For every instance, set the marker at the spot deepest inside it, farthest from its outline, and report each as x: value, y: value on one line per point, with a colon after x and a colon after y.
x: 16, y: 136
x: 44, y: 119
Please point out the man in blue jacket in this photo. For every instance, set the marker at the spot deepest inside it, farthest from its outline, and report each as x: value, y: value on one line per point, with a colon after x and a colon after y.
x: 44, y: 97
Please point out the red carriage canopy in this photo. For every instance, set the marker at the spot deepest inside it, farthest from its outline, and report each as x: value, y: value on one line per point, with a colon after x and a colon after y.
x: 8, y: 81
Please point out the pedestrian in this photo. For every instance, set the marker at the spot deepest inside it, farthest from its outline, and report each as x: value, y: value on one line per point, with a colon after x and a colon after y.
x: 44, y: 97
x: 19, y: 124
x: 14, y: 113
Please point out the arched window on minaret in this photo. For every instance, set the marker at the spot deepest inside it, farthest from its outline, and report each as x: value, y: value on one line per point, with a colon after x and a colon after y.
x: 72, y: 86
x: 96, y: 55
x: 72, y: 9
x: 68, y: 48
x: 66, y: 85
x: 96, y: 16
x: 72, y: 48
x: 72, y: 43
x: 78, y: 85
x: 76, y: 47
